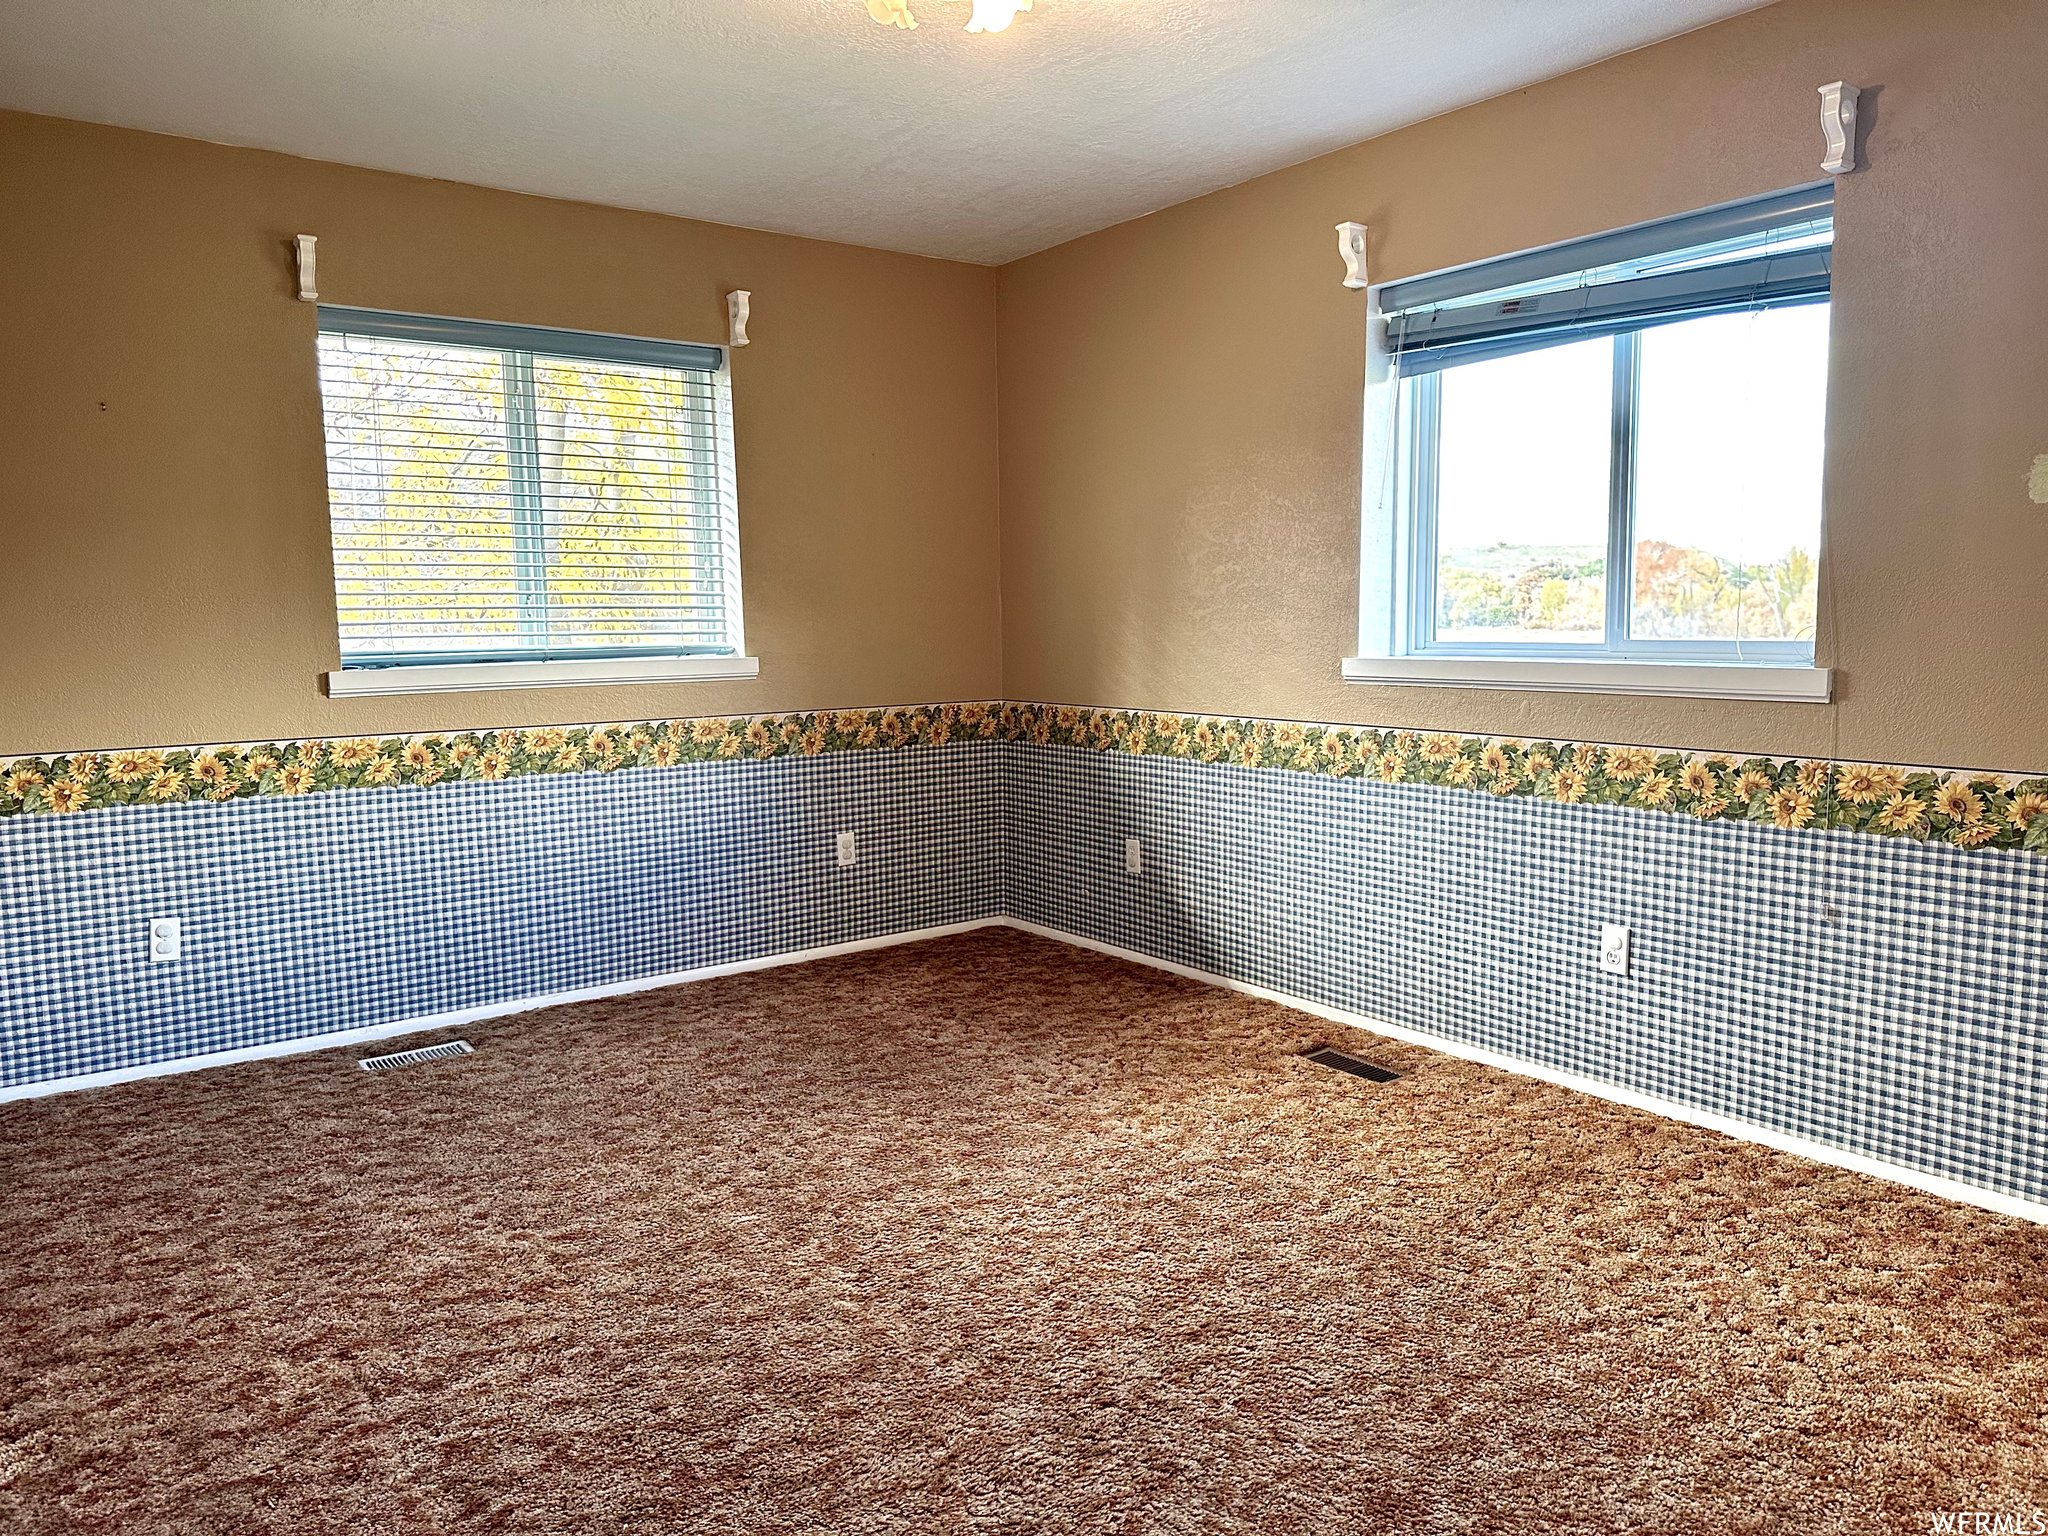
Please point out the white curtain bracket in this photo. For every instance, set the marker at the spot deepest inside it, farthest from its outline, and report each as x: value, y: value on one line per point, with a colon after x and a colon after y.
x: 1838, y: 127
x: 1351, y: 246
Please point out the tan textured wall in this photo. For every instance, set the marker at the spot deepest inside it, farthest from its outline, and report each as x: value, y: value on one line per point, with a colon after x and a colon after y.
x: 165, y: 573
x: 1181, y: 394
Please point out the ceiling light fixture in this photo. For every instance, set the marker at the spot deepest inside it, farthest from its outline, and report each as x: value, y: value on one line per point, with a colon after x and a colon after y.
x: 988, y: 16
x: 994, y: 15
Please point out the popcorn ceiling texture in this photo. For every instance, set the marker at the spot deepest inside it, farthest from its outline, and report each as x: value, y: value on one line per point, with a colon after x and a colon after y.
x: 808, y: 118
x: 986, y: 1234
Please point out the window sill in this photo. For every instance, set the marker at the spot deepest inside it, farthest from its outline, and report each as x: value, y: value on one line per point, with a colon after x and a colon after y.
x: 1701, y: 680
x: 469, y: 677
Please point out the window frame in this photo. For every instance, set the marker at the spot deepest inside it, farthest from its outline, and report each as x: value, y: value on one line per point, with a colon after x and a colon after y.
x: 1419, y: 429
x: 1389, y: 649
x: 461, y: 670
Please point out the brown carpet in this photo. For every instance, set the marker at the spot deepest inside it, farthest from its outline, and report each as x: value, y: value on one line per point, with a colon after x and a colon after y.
x: 982, y: 1235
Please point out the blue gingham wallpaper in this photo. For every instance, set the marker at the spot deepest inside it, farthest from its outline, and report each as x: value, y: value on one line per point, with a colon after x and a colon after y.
x: 304, y: 915
x: 1883, y: 996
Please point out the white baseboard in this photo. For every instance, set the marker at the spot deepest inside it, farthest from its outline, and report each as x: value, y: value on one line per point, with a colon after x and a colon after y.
x: 1740, y: 1130
x: 460, y: 1016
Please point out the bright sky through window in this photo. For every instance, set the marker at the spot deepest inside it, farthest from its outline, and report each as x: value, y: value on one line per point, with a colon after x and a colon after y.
x: 1727, y: 440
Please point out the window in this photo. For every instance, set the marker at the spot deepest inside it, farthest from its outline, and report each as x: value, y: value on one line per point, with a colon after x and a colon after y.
x: 1610, y: 451
x: 512, y: 505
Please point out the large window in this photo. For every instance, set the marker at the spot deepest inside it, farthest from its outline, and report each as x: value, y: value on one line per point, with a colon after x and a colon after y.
x: 1612, y: 450
x: 507, y: 494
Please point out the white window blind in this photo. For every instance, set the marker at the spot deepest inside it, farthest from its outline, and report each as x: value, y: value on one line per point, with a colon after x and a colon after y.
x: 1742, y: 258
x: 513, y: 493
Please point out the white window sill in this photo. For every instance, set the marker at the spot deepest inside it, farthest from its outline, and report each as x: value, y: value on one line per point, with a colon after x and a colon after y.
x: 468, y: 677
x: 1690, y: 680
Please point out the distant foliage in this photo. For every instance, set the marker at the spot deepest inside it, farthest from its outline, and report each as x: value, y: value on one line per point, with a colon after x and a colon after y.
x: 1680, y: 592
x: 1523, y: 587
x: 1686, y: 593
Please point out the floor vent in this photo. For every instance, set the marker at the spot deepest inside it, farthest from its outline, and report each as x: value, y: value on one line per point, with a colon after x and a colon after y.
x: 1323, y: 1056
x: 414, y: 1058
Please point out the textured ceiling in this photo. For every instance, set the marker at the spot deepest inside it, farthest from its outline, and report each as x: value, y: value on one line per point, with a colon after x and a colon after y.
x: 804, y: 115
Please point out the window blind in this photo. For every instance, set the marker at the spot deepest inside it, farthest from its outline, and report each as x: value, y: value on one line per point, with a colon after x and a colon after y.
x: 507, y: 492
x: 1754, y: 255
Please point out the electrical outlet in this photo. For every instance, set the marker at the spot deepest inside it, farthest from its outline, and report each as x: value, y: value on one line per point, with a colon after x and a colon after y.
x: 847, y: 850
x: 1134, y: 856
x: 1614, y: 949
x: 166, y: 938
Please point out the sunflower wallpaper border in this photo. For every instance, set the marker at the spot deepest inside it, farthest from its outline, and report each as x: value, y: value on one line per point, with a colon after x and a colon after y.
x: 1966, y: 809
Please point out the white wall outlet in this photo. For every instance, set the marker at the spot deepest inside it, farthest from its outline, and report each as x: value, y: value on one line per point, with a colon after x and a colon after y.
x: 1134, y: 856
x: 166, y: 938
x: 1614, y: 948
x: 846, y: 849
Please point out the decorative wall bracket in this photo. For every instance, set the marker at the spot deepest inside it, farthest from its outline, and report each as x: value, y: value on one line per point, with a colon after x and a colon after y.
x: 1838, y: 127
x: 738, y: 305
x: 302, y: 248
x: 1351, y: 246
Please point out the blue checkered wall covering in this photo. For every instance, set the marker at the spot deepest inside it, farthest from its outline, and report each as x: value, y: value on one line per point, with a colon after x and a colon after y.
x: 1880, y: 995
x: 1883, y: 996
x: 304, y: 915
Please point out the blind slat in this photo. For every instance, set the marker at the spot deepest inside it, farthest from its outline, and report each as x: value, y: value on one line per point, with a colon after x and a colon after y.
x: 1445, y: 337
x: 380, y: 326
x: 1753, y: 216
